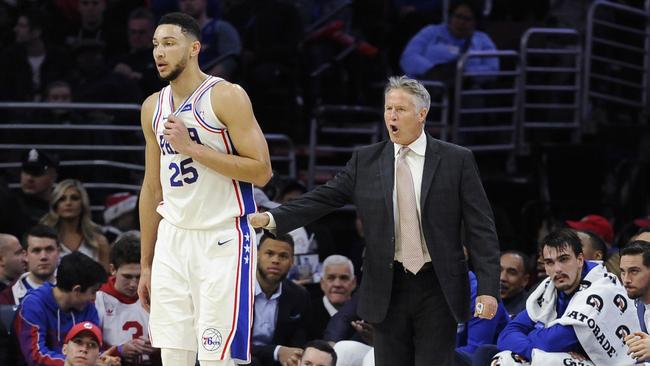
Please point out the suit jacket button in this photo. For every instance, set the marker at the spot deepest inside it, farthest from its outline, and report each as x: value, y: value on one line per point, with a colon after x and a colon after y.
x: 390, y: 265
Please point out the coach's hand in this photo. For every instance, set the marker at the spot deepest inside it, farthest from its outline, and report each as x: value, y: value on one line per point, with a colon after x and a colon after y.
x: 144, y: 288
x: 259, y: 220
x: 177, y: 135
x: 289, y: 356
x: 486, y: 307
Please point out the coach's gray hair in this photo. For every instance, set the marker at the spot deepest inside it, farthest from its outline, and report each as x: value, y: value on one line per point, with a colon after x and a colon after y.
x: 337, y: 259
x: 421, y: 97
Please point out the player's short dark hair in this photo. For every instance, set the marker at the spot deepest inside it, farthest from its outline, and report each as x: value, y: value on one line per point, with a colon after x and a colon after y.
x: 40, y: 231
x: 286, y: 238
x: 323, y: 346
x: 597, y: 242
x: 638, y: 247
x: 561, y: 239
x: 79, y: 269
x: 126, y: 250
x: 188, y: 24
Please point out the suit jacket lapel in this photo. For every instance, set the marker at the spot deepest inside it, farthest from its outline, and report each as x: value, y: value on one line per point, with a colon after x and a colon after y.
x: 387, y: 173
x: 431, y: 161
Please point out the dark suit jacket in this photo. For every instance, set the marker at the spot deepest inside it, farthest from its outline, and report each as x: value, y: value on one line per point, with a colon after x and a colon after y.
x: 294, y: 314
x: 451, y: 194
x: 319, y: 318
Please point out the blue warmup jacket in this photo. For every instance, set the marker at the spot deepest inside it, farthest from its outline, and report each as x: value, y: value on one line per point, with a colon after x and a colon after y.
x: 479, y: 331
x: 41, y: 326
x: 521, y: 335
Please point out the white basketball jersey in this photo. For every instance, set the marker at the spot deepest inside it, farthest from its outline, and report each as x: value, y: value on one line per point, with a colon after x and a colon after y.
x: 121, y: 321
x: 194, y: 196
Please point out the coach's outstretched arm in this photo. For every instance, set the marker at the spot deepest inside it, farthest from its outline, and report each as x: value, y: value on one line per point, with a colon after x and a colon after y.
x: 233, y: 108
x: 150, y: 197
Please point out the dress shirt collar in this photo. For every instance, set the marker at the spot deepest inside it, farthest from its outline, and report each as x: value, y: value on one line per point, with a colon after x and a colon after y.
x: 276, y: 294
x: 419, y: 146
x: 331, y: 310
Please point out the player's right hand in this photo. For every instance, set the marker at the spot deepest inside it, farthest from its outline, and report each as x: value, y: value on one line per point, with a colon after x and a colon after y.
x: 258, y: 220
x: 144, y: 288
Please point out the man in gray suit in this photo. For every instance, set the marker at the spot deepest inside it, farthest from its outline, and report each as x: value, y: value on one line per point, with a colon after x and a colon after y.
x: 413, y: 195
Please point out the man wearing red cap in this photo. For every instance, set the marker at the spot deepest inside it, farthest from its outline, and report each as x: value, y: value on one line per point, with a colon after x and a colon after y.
x: 600, y: 226
x: 82, y: 344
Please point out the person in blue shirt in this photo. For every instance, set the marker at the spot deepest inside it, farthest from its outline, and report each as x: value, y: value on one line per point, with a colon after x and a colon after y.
x: 47, y: 313
x: 565, y: 265
x: 432, y: 53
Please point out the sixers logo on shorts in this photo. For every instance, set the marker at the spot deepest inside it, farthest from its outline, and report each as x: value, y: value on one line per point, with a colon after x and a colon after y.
x: 211, y: 339
x: 595, y: 301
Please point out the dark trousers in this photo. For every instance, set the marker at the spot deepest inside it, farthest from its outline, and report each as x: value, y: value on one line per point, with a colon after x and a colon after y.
x: 419, y: 328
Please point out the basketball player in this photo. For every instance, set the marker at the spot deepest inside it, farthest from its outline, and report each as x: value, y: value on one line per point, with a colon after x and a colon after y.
x: 204, y: 152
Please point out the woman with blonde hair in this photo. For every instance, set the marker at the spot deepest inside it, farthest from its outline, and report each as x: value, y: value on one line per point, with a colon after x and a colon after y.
x: 70, y: 215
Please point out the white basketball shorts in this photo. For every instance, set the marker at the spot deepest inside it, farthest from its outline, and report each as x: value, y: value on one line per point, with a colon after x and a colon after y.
x: 202, y: 290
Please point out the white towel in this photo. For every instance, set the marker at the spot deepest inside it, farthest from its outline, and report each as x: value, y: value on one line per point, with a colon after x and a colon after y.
x: 600, y: 312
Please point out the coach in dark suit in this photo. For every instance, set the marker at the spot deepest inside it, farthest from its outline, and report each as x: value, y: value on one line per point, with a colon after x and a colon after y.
x: 413, y: 195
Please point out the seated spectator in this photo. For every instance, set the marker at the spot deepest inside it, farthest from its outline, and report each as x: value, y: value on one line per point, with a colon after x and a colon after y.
x: 635, y: 275
x: 58, y: 91
x: 218, y: 38
x: 580, y: 309
x: 593, y: 246
x: 82, y: 344
x: 38, y: 175
x: 48, y: 313
x: 513, y: 281
x: 138, y: 65
x: 42, y: 252
x: 318, y: 353
x: 32, y: 63
x: 123, y: 319
x: 282, y: 308
x: 93, y: 25
x: 337, y: 283
x: 12, y: 260
x: 600, y: 226
x: 432, y: 53
x: 120, y: 214
x: 70, y: 215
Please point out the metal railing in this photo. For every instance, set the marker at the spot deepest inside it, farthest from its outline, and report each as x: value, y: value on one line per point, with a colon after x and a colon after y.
x: 551, y: 63
x: 437, y: 123
x: 335, y: 132
x: 485, y: 117
x: 617, y: 57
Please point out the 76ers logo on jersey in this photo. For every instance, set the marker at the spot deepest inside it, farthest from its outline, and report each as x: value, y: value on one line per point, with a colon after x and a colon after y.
x: 211, y: 339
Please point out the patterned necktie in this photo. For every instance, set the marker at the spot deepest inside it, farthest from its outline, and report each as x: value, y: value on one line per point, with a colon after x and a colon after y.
x: 409, y: 222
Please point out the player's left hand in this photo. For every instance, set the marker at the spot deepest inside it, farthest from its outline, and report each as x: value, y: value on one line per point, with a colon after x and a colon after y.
x: 177, y: 135
x: 486, y: 307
